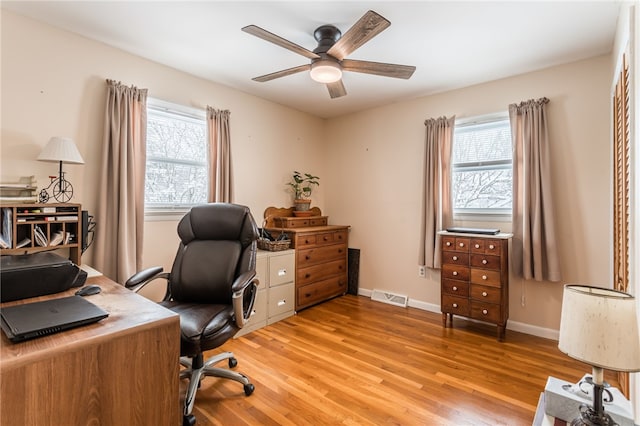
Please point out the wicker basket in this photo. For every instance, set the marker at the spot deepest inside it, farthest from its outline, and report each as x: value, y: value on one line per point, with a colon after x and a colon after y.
x: 269, y: 245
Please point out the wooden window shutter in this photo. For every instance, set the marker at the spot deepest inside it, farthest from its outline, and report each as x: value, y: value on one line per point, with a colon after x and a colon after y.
x: 621, y: 164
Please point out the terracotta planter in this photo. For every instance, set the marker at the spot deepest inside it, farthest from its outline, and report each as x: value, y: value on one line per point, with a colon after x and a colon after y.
x: 302, y: 205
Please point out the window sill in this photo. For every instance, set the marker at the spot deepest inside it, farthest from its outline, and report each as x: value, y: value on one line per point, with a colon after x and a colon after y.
x: 164, y: 215
x: 482, y: 217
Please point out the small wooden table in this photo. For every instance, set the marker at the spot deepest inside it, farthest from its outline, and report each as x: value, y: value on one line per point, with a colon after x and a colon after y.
x: 123, y: 370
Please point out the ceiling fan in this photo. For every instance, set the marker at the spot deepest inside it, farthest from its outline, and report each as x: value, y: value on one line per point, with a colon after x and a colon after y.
x: 328, y: 60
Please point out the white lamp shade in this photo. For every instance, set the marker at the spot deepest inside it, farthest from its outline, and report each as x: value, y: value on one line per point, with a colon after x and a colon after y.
x: 599, y: 326
x: 61, y: 149
x: 325, y: 71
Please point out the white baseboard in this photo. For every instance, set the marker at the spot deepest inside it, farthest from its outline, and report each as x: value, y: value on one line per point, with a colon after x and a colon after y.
x: 520, y: 327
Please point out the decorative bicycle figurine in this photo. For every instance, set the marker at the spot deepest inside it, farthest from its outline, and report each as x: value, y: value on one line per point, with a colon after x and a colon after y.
x: 60, y: 188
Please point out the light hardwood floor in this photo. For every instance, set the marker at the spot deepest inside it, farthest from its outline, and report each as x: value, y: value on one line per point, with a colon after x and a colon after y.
x: 352, y: 361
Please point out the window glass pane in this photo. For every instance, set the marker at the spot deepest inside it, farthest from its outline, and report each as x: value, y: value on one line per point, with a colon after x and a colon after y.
x: 175, y: 137
x: 175, y: 184
x: 482, y: 189
x: 177, y: 168
x: 482, y: 167
x: 482, y: 142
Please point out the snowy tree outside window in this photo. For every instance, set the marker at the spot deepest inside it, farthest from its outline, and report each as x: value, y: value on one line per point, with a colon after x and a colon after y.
x: 177, y: 167
x: 482, y: 168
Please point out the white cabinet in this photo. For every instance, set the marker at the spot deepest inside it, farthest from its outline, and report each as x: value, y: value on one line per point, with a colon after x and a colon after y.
x: 276, y: 292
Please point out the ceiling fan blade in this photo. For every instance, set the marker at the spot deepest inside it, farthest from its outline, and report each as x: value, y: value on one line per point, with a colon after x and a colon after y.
x: 277, y: 40
x: 370, y: 25
x: 336, y: 89
x: 283, y: 73
x: 378, y: 68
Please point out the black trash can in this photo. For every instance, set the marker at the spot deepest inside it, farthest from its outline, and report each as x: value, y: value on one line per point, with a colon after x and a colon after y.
x: 353, y: 271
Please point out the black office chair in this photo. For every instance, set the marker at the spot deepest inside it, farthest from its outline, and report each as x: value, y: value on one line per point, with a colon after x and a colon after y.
x: 212, y: 286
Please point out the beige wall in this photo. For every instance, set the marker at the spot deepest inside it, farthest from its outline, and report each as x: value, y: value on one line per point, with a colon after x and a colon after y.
x: 370, y: 163
x: 376, y: 168
x: 53, y: 83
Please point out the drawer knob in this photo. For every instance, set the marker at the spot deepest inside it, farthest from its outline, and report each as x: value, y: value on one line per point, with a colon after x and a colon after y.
x: 484, y: 261
x: 455, y: 257
x: 461, y: 244
x: 325, y: 238
x: 307, y: 275
x: 448, y: 243
x: 455, y: 305
x: 282, y: 272
x: 455, y: 273
x: 484, y: 294
x: 484, y: 277
x: 484, y: 311
x: 455, y: 288
x: 307, y: 257
x: 491, y: 246
x: 282, y: 302
x: 477, y: 245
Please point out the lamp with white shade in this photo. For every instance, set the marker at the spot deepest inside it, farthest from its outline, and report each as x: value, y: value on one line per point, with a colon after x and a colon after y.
x: 599, y: 326
x: 60, y: 150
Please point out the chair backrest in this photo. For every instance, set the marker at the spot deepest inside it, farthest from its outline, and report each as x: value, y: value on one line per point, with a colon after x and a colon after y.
x: 217, y: 244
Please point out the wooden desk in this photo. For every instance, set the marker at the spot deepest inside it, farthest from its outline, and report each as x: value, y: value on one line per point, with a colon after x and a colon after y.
x: 123, y: 370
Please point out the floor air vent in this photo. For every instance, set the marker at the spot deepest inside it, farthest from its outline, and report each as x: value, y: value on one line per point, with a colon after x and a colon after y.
x: 390, y: 298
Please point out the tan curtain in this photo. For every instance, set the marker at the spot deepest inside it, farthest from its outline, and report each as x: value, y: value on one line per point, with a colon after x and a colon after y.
x: 437, y: 213
x: 120, y: 216
x: 535, y: 251
x: 220, y: 173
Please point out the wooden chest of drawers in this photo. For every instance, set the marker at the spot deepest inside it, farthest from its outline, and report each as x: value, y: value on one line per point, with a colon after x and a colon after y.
x: 475, y: 278
x: 321, y: 262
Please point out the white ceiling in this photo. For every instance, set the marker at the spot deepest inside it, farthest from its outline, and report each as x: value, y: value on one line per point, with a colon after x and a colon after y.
x: 453, y: 44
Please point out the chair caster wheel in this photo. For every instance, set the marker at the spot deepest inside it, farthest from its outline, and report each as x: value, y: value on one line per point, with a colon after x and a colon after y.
x: 233, y: 362
x: 189, y: 420
x: 248, y: 389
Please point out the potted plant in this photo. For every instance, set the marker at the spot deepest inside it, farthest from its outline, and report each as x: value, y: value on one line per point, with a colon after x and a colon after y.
x: 302, y: 185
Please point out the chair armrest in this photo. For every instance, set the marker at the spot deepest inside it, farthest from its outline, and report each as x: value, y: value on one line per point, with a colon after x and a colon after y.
x: 144, y: 277
x: 244, y: 289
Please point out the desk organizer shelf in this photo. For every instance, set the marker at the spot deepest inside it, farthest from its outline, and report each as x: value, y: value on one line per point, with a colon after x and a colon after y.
x: 30, y: 228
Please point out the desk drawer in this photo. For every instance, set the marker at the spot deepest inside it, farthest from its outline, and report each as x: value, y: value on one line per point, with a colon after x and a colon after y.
x: 281, y: 269
x: 455, y: 305
x: 319, y: 291
x: 485, y: 312
x: 320, y: 272
x: 485, y: 277
x: 485, y: 293
x: 455, y: 258
x: 485, y: 261
x: 281, y: 300
x: 313, y: 256
x: 455, y: 272
x: 455, y: 288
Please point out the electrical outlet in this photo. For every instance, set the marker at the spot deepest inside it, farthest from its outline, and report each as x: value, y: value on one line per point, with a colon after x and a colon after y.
x: 422, y: 271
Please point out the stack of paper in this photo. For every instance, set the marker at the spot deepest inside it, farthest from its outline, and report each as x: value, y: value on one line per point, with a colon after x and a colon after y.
x: 57, y: 238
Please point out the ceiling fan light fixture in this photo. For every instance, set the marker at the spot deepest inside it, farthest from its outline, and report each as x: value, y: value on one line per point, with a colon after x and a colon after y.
x: 325, y: 71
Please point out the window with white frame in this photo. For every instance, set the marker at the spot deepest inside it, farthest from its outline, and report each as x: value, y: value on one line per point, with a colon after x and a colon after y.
x: 481, y: 178
x: 177, y: 159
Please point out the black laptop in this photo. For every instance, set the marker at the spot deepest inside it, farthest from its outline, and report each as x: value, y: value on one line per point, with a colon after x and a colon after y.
x: 37, y: 319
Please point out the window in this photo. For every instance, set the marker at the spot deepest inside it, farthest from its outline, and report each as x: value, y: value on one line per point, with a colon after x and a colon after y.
x: 482, y: 167
x: 177, y: 165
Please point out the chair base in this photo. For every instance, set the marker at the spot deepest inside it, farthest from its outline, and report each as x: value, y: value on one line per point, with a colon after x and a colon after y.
x: 196, y: 370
